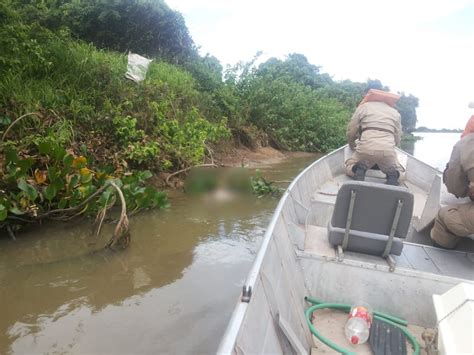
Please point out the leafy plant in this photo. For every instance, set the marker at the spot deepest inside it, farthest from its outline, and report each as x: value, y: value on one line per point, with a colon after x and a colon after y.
x: 261, y: 187
x: 143, y: 152
x: 65, y: 182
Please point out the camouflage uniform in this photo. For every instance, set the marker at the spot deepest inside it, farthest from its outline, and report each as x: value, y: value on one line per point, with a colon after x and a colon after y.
x: 377, y: 126
x: 455, y: 222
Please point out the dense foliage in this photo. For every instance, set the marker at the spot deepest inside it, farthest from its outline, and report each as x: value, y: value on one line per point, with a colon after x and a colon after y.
x: 262, y: 187
x: 407, y: 108
x: 63, y: 101
x: 146, y: 27
x: 70, y: 121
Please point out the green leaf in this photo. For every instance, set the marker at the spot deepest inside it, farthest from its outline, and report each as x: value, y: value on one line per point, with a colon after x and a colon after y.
x: 58, y: 153
x: 145, y: 175
x: 67, y: 161
x: 3, y: 213
x: 11, y: 155
x: 28, y: 189
x: 25, y: 164
x: 45, y: 147
x: 161, y: 200
x: 52, y: 173
x: 50, y: 192
x: 74, y: 180
x: 58, y: 183
x: 105, y: 198
x: 86, y: 178
x: 75, y: 198
x: 62, y: 203
x: 5, y: 121
x: 142, y: 201
x: 87, y: 190
x: 118, y: 182
x: 16, y: 210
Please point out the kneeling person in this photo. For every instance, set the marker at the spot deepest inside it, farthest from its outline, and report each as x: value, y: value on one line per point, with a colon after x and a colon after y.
x: 457, y: 221
x: 373, y: 132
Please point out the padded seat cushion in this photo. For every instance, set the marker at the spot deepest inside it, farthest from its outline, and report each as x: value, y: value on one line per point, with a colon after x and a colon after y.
x: 374, y: 210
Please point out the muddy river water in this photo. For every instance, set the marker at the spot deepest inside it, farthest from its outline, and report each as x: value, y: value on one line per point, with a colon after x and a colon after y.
x: 171, y: 291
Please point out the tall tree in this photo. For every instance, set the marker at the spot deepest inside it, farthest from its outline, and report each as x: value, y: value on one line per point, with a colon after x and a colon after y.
x: 143, y: 26
x: 407, y: 107
x: 296, y: 68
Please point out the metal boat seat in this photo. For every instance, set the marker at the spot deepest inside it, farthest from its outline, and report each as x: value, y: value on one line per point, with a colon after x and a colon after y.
x: 371, y: 218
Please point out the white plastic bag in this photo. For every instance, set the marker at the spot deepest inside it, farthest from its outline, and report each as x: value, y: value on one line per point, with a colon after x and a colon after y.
x: 137, y: 67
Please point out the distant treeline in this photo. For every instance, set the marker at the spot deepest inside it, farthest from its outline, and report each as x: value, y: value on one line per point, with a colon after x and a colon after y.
x: 434, y: 130
x: 69, y: 120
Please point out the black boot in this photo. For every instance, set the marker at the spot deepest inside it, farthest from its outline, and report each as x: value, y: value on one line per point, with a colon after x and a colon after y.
x: 392, y: 177
x: 359, y: 172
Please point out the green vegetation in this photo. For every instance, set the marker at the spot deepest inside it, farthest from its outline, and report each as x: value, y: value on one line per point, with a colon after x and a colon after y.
x: 70, y: 123
x: 262, y: 187
x: 407, y: 107
x: 408, y: 137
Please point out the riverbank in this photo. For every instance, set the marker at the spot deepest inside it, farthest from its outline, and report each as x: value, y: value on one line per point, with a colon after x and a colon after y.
x: 229, y: 156
x: 239, y: 156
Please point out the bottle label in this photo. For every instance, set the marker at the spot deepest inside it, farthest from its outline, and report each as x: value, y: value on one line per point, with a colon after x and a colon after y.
x: 361, y: 312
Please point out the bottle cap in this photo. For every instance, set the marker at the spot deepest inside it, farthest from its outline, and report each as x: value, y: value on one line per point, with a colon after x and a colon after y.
x: 355, y: 339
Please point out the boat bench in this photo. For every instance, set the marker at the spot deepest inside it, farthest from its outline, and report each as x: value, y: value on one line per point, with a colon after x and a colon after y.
x: 371, y: 218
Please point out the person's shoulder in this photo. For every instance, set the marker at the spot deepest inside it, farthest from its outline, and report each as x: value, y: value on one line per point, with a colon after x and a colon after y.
x: 469, y: 137
x: 466, y: 140
x: 362, y: 108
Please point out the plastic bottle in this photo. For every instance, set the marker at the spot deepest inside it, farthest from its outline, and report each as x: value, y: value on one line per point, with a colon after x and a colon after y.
x: 358, y: 324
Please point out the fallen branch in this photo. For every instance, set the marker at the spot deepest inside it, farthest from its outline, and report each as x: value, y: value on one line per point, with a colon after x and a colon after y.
x: 187, y: 169
x: 101, y: 216
x: 121, y: 234
x: 15, y: 218
x: 15, y: 122
x: 69, y: 217
x: 210, y: 152
x: 75, y: 208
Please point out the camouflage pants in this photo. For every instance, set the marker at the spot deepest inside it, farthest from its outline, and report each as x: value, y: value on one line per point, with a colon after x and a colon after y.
x: 385, y: 159
x: 452, y: 224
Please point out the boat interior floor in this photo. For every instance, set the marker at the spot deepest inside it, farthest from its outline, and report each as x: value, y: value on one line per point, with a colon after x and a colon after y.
x: 330, y: 323
x: 418, y: 252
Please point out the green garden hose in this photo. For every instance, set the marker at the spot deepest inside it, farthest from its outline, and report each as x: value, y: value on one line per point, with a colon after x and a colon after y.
x: 346, y: 308
x: 399, y: 323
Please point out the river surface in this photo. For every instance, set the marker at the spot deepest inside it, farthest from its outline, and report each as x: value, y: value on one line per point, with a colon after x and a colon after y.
x: 433, y: 148
x: 171, y: 291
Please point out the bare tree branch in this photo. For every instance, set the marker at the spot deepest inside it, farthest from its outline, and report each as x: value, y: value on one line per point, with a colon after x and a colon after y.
x: 15, y: 122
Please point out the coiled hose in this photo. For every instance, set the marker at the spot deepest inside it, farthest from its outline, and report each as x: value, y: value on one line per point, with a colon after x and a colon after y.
x: 397, y: 322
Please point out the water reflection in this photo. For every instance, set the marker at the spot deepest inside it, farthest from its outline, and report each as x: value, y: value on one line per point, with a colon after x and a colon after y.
x: 172, y: 290
x: 435, y: 148
x: 408, y: 146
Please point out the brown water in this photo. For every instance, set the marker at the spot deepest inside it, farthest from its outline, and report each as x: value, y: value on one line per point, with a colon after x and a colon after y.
x: 172, y: 291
